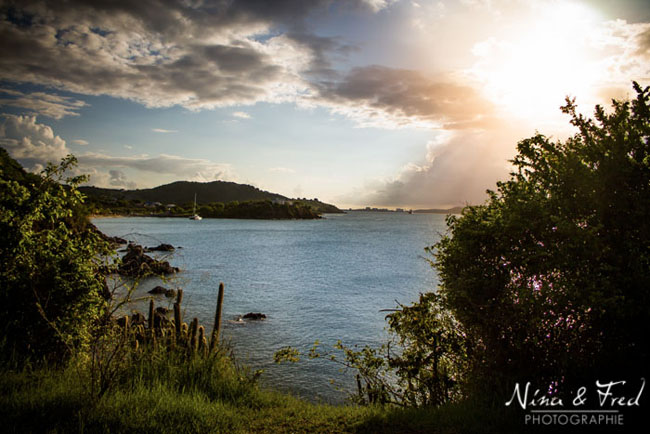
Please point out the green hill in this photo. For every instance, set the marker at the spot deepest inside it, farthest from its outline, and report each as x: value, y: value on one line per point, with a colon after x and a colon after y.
x: 182, y: 193
x: 12, y: 170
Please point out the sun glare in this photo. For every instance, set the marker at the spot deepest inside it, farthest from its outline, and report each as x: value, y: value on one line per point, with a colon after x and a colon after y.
x: 531, y: 72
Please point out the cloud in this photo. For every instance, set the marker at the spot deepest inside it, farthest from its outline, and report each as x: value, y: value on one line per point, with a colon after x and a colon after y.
x: 162, y: 53
x: 284, y: 170
x: 241, y: 115
x: 118, y: 179
x: 163, y: 131
x: 80, y: 142
x: 189, y: 169
x: 33, y: 143
x: 40, y: 103
x: 393, y: 98
x: 457, y: 169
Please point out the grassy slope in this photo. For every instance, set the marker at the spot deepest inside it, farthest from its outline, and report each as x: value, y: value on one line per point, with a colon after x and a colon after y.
x: 162, y: 394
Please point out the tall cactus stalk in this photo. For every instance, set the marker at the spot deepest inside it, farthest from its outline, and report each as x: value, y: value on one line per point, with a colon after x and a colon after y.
x: 214, y: 340
x: 150, y: 322
x: 203, y: 343
x: 126, y: 327
x: 172, y: 336
x: 184, y: 334
x: 177, y: 314
x: 193, y: 341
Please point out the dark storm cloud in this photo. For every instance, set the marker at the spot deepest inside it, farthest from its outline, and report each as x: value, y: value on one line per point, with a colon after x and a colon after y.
x: 409, y: 94
x: 161, y: 52
x: 203, y: 54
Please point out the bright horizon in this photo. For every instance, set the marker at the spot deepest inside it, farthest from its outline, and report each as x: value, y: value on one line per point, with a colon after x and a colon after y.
x: 380, y: 103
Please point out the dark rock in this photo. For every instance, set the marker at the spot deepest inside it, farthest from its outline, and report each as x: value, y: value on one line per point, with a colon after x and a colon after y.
x: 116, y: 240
x: 169, y: 293
x: 254, y: 316
x: 136, y: 264
x: 113, y: 240
x: 160, y: 248
x: 158, y: 290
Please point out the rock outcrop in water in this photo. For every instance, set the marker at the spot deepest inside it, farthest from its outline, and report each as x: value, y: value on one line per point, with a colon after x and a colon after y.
x: 115, y: 241
x: 160, y: 248
x: 136, y: 264
x: 161, y: 290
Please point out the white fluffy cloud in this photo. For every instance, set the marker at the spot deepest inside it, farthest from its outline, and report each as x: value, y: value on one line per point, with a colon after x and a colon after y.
x: 35, y: 144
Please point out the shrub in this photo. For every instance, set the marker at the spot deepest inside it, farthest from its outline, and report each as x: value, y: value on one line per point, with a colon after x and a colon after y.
x: 51, y: 287
x: 550, y: 276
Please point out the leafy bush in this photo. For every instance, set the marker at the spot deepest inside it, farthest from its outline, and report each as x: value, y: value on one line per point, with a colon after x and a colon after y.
x: 550, y: 277
x: 51, y: 287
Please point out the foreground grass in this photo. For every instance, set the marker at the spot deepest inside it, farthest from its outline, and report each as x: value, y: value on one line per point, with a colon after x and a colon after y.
x: 169, y: 394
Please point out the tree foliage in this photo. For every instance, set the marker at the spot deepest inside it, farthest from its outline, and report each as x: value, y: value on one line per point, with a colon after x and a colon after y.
x: 550, y: 277
x: 51, y: 287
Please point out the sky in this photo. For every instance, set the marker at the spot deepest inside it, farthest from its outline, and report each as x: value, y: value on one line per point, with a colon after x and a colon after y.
x: 386, y: 103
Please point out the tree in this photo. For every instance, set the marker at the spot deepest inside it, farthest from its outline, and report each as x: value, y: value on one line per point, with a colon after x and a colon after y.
x: 51, y: 285
x: 550, y: 278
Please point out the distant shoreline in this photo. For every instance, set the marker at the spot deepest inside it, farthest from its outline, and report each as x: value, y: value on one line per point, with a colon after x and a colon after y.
x: 93, y: 216
x: 454, y: 210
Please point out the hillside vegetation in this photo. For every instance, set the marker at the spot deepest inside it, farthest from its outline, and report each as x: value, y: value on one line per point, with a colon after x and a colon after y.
x: 215, y: 199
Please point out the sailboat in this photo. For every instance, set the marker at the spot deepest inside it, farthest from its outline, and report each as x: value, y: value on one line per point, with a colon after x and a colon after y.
x: 195, y: 216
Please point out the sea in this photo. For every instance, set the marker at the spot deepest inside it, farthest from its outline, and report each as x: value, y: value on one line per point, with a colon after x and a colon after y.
x: 315, y: 280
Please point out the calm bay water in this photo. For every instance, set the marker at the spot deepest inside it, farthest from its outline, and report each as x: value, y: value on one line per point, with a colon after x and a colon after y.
x: 314, y: 279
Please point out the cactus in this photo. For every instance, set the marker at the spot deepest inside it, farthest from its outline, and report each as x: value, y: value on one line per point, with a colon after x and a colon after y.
x: 202, y: 341
x: 172, y: 336
x: 126, y: 326
x: 152, y: 335
x: 214, y: 340
x: 194, y: 334
x: 177, y: 320
x: 151, y: 313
